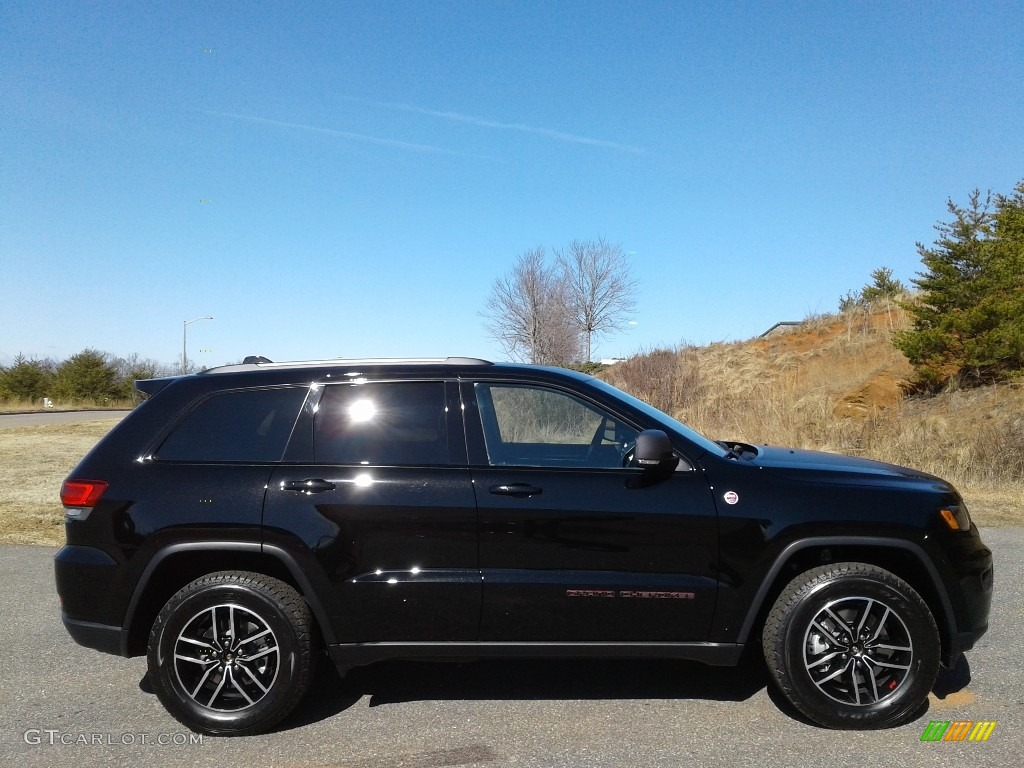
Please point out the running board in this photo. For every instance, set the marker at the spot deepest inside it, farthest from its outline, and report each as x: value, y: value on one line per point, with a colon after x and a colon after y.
x: 348, y: 655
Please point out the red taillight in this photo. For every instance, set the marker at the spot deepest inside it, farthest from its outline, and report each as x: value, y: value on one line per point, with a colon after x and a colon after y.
x: 81, y: 493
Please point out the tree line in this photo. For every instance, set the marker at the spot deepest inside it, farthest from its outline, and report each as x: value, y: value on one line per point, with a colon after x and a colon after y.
x: 89, y: 376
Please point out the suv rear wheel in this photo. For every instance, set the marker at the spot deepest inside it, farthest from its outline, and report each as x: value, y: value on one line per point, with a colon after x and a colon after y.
x: 230, y: 654
x: 852, y: 645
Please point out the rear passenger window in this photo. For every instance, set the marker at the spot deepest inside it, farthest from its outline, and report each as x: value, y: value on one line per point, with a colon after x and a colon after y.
x: 245, y: 426
x: 385, y: 424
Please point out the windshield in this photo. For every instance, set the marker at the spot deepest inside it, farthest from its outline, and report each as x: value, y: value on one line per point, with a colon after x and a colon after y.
x: 661, y: 417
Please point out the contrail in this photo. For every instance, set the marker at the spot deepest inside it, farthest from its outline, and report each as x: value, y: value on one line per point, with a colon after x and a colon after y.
x: 426, y: 148
x: 481, y: 122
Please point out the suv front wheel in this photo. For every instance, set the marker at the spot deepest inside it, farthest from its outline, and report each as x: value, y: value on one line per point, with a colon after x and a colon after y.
x: 230, y: 653
x: 852, y: 645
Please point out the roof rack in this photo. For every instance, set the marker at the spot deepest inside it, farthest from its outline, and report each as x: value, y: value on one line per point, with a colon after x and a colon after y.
x: 258, y: 362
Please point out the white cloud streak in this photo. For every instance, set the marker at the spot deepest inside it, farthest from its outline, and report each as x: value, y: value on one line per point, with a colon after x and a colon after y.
x: 481, y: 122
x: 408, y: 146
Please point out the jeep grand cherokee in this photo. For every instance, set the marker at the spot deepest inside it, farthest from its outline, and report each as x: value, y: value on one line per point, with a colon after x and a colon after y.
x: 243, y: 523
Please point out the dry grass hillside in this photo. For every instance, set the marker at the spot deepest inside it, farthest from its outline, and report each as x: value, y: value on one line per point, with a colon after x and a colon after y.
x: 836, y: 383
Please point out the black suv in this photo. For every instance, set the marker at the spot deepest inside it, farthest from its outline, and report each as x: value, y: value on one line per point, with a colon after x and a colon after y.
x: 244, y: 522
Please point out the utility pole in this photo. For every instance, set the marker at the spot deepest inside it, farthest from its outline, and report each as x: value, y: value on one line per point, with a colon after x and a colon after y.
x: 184, y: 342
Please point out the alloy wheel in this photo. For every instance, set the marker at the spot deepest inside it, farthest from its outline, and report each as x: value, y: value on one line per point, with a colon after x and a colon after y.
x: 226, y: 658
x: 858, y: 651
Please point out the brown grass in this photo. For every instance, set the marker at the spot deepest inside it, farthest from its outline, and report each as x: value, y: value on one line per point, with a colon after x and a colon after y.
x: 838, y: 384
x: 33, y: 463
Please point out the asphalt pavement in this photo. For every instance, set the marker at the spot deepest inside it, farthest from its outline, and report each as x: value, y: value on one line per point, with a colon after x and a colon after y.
x: 63, y: 705
x: 8, y: 420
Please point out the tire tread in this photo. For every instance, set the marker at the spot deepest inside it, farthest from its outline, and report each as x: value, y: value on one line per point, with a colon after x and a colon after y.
x: 289, y: 602
x: 792, y: 597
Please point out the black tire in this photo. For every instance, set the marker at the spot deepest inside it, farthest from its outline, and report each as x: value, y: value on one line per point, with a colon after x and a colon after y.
x: 231, y: 654
x: 852, y: 646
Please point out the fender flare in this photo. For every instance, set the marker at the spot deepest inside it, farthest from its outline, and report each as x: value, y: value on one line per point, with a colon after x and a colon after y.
x: 881, y: 542
x: 252, y: 548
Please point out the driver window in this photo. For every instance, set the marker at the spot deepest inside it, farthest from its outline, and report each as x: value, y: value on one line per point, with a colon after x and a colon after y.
x: 537, y: 427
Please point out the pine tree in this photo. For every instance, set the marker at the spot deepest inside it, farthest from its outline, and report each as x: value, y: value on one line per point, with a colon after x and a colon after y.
x: 1001, y: 347
x: 883, y: 286
x: 969, y: 317
x: 87, y: 375
x: 26, y: 379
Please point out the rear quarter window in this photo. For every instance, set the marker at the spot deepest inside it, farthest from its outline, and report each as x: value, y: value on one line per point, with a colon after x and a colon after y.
x: 242, y: 426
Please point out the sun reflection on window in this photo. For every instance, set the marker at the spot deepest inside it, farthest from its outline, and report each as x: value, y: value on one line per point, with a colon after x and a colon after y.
x: 362, y: 410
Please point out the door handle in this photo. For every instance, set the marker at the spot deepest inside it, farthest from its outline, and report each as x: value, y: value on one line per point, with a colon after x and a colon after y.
x: 519, y: 490
x: 313, y: 485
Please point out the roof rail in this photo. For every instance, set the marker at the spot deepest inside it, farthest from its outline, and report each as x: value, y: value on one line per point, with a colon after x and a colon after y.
x: 258, y: 362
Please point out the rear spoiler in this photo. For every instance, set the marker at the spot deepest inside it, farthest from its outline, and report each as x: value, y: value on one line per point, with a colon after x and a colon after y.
x: 149, y: 387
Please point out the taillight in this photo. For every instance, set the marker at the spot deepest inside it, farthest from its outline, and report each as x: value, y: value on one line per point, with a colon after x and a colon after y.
x: 81, y: 493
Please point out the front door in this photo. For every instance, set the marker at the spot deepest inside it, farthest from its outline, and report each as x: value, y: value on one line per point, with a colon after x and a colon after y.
x: 574, y: 546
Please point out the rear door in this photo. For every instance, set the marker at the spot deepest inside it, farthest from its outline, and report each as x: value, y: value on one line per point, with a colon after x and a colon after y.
x: 375, y: 486
x: 573, y: 546
x: 209, y: 473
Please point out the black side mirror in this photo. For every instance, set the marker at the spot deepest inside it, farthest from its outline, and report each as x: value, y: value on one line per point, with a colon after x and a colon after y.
x: 653, y: 452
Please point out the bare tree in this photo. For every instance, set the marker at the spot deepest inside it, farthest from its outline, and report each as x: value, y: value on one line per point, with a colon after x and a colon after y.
x: 527, y: 312
x: 134, y: 367
x: 601, y: 290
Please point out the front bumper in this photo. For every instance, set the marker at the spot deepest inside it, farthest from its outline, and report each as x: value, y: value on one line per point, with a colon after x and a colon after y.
x: 975, y: 582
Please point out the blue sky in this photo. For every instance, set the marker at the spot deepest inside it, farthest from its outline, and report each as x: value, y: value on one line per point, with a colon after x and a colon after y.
x: 350, y: 178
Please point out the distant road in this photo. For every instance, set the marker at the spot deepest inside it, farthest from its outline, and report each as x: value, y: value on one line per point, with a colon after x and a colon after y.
x: 9, y: 420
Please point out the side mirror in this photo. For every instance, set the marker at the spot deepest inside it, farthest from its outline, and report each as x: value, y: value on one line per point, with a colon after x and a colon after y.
x: 653, y: 452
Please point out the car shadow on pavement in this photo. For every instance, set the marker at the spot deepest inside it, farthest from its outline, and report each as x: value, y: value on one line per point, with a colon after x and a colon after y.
x: 394, y: 682
x: 950, y: 680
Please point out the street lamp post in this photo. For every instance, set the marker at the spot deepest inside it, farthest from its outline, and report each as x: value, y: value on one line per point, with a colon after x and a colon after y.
x: 184, y: 341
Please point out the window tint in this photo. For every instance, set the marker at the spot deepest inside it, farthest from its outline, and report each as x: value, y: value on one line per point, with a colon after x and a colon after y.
x: 246, y: 425
x: 536, y: 427
x: 395, y: 423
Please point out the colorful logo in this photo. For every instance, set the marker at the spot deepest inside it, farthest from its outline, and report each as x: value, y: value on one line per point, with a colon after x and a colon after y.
x: 958, y: 730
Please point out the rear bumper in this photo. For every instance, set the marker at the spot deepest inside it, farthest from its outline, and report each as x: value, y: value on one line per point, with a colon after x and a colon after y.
x: 101, y: 637
x: 84, y: 578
